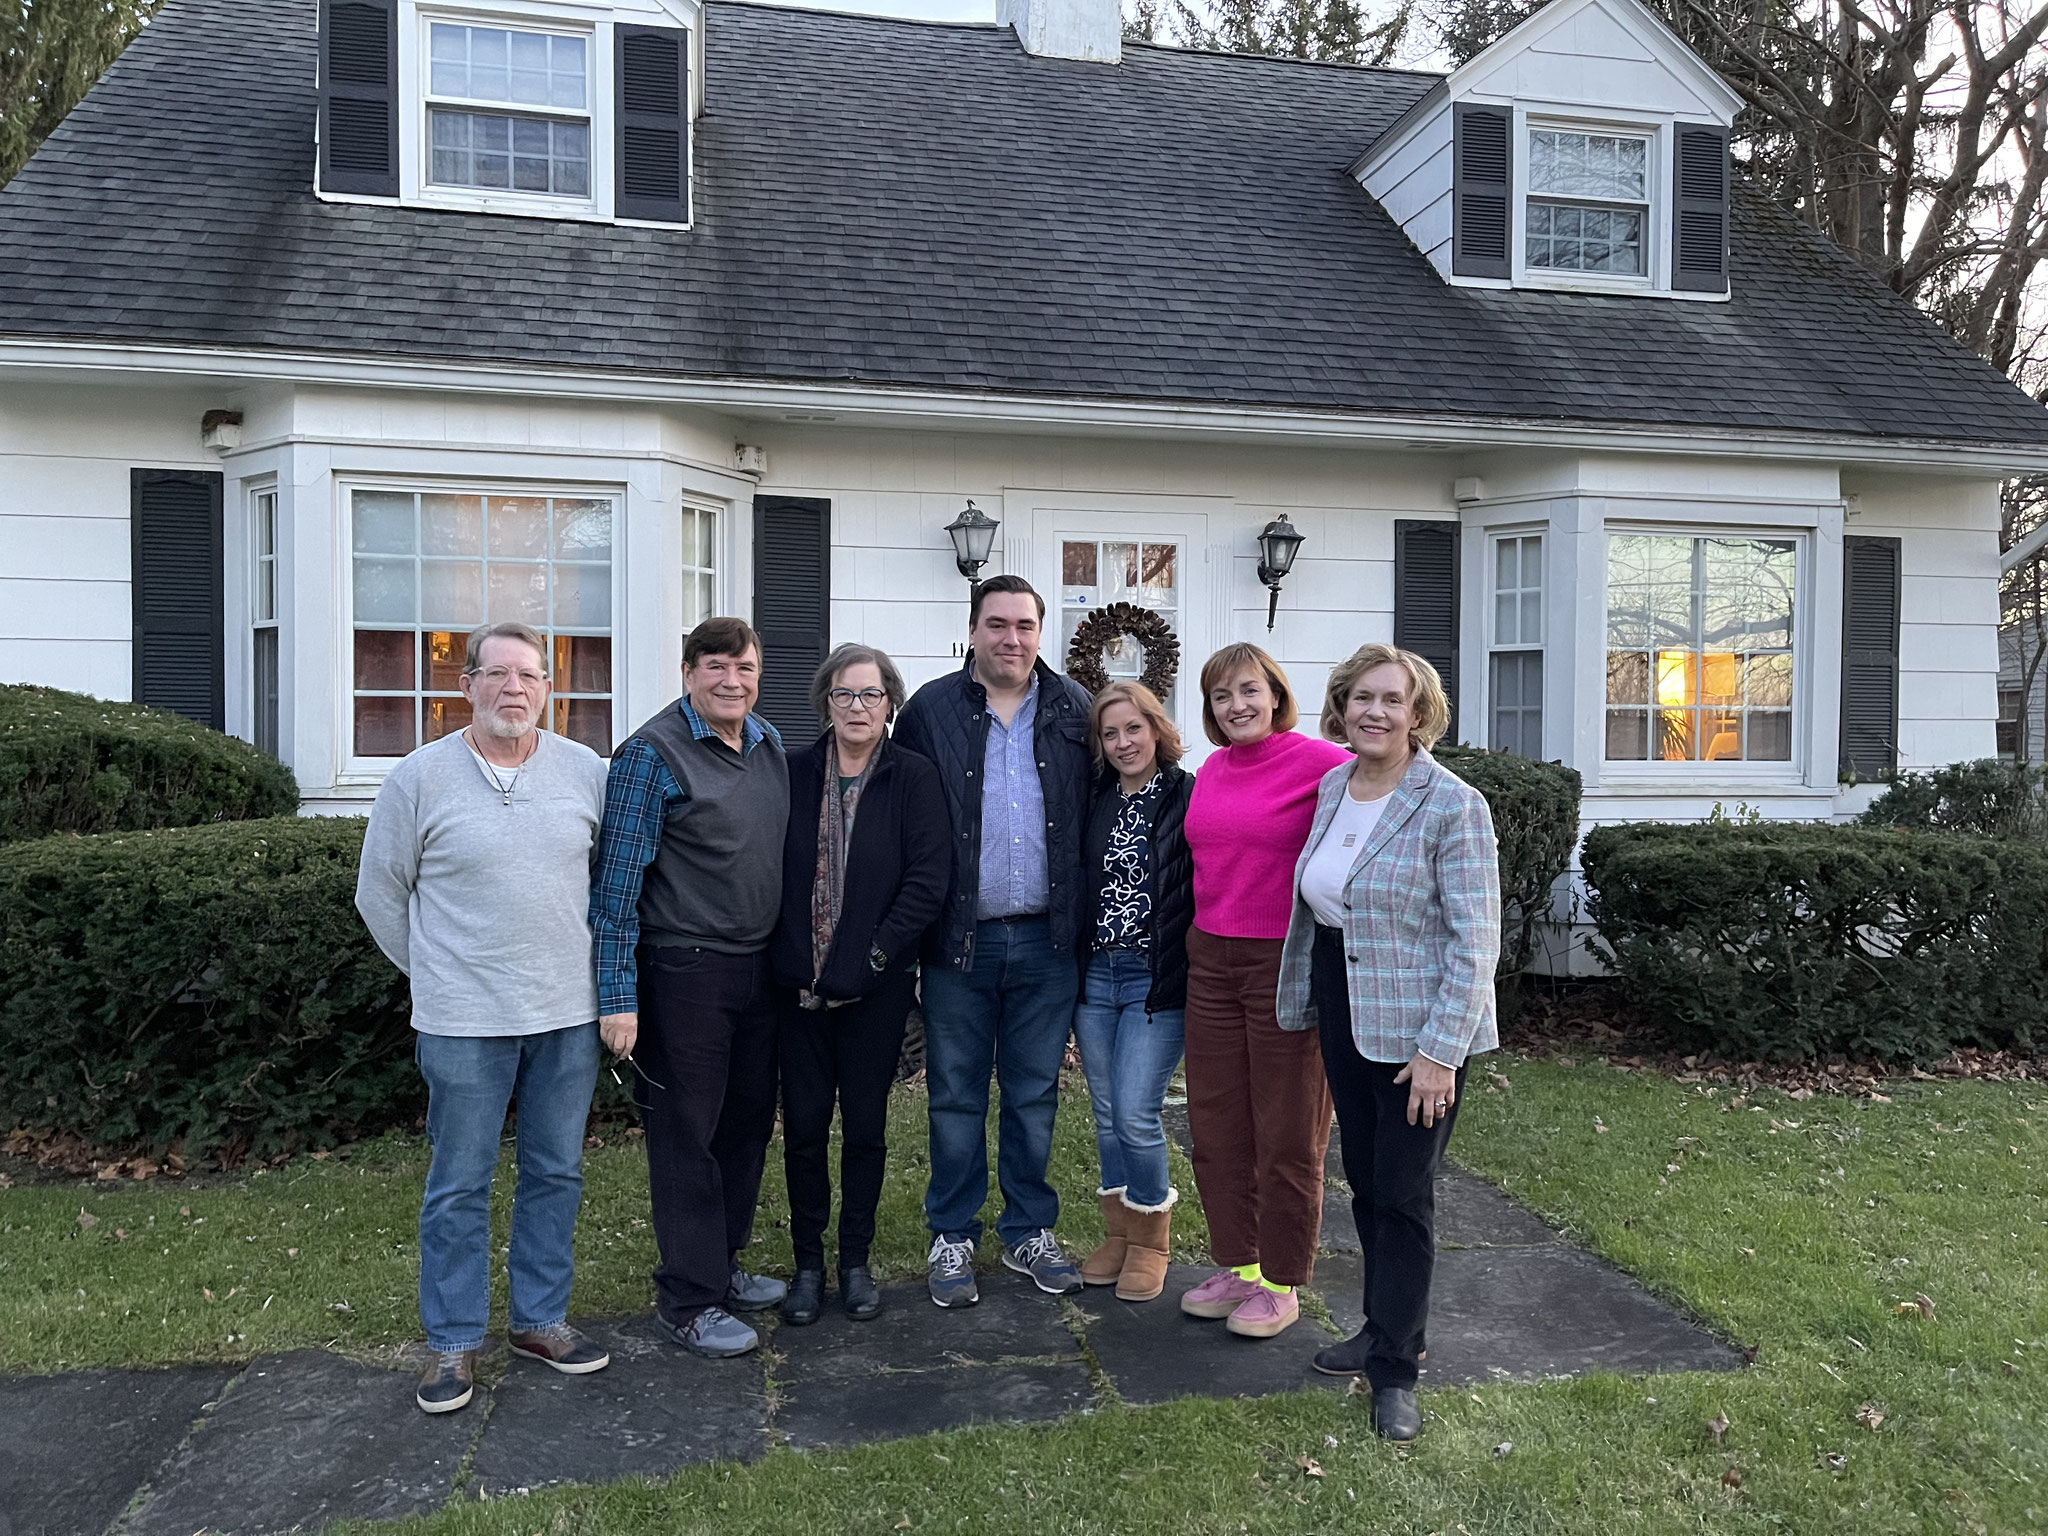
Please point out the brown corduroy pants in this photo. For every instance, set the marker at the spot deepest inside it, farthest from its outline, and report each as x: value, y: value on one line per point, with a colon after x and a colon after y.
x: 1258, y: 1109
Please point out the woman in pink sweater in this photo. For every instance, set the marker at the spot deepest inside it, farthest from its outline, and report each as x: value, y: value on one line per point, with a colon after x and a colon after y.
x: 1257, y: 1103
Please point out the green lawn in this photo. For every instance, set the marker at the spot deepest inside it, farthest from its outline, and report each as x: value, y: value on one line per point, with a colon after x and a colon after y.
x: 1798, y: 1228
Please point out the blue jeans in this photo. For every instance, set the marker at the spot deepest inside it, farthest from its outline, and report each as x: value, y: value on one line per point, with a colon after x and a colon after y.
x: 1010, y: 1012
x: 1129, y: 1056
x: 470, y: 1080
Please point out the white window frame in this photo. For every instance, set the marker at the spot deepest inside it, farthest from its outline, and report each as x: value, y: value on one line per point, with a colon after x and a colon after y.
x: 694, y: 571
x: 353, y: 769
x: 1657, y: 132
x: 1782, y: 772
x: 553, y: 203
x: 263, y: 507
x: 1522, y: 644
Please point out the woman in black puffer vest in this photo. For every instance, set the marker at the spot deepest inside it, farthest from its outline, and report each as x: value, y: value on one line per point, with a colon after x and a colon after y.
x: 1138, y: 900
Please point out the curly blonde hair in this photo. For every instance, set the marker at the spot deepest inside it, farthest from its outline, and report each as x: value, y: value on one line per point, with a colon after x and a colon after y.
x: 1432, y: 709
x: 1147, y: 704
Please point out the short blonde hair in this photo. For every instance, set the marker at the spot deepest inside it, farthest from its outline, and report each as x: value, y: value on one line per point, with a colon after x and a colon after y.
x: 1432, y: 709
x: 1245, y: 657
x: 1147, y: 704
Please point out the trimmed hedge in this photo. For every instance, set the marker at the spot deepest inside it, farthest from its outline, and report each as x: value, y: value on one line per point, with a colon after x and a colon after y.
x: 1990, y: 796
x: 1535, y: 810
x: 210, y: 986
x: 69, y: 763
x: 1786, y: 941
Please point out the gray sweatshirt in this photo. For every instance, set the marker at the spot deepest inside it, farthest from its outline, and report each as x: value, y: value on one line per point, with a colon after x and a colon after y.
x: 485, y: 904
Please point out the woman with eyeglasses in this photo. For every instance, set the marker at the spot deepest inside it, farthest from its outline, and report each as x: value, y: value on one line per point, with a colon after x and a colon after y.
x: 864, y: 869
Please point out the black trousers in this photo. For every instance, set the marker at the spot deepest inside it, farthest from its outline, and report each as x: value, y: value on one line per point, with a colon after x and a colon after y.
x: 847, y: 1054
x: 707, y: 1036
x: 1391, y: 1167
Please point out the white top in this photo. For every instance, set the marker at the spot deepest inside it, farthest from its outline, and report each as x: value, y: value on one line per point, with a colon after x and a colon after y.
x: 503, y: 778
x: 1326, y: 881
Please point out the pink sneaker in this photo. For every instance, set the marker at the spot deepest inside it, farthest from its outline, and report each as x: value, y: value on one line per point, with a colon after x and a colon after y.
x: 1267, y: 1313
x: 1219, y: 1295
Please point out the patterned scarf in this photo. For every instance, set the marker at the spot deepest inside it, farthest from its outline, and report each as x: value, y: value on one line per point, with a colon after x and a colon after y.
x: 828, y: 884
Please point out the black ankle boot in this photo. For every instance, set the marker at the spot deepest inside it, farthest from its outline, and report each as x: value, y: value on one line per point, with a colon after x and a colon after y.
x: 806, y: 1298
x: 859, y: 1293
x: 1394, y: 1413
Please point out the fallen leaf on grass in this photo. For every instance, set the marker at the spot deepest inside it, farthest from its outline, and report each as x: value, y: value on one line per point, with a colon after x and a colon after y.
x: 1732, y: 1478
x: 110, y: 1171
x: 1870, y: 1416
x: 206, y: 1291
x: 1836, y: 1461
x: 1502, y: 1449
x: 341, y: 1307
x: 1717, y: 1426
x: 1599, y: 1125
x: 120, y: 1234
x: 901, y: 1525
x: 291, y: 1253
x: 2010, y: 1368
x: 86, y: 1220
x: 1831, y: 1371
x: 1310, y: 1467
x: 1358, y: 1388
x: 1330, y: 1441
x: 1920, y: 1304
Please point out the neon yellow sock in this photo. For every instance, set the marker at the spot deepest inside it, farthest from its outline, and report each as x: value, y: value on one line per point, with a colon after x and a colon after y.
x: 1249, y: 1272
x: 1279, y: 1290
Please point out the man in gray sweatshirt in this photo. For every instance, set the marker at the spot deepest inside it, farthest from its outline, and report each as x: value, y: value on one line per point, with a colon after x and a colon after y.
x: 476, y: 882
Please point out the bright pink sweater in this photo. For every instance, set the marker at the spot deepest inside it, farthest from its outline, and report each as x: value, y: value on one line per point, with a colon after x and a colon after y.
x: 1246, y: 824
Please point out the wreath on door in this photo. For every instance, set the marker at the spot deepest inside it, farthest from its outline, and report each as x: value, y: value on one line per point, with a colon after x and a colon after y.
x: 1104, y: 626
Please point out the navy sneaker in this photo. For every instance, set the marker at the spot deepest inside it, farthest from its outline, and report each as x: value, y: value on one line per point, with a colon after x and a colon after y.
x: 952, y: 1273
x: 1039, y: 1257
x: 449, y: 1383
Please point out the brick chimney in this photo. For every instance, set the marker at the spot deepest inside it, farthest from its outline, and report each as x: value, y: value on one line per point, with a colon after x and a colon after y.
x: 1067, y: 29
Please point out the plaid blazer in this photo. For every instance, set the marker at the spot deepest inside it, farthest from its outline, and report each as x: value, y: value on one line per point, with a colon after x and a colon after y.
x: 1422, y: 925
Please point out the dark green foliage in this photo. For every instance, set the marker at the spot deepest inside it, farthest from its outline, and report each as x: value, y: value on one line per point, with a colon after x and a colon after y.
x: 1793, y: 940
x: 1535, y: 810
x: 69, y: 763
x: 51, y: 51
x: 1990, y: 796
x: 205, y: 985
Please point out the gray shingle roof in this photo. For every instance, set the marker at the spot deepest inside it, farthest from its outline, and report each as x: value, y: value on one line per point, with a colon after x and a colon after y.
x: 921, y: 205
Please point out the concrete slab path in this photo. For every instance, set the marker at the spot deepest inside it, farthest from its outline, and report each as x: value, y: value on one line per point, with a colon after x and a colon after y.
x: 290, y: 1442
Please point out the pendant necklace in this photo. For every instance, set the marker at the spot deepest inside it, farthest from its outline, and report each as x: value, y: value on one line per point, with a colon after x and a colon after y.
x: 503, y: 786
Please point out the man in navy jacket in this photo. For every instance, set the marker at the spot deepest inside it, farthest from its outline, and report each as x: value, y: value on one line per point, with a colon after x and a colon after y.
x: 1010, y: 738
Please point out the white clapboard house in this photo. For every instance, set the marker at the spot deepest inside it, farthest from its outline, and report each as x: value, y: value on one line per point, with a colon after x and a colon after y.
x: 331, y: 328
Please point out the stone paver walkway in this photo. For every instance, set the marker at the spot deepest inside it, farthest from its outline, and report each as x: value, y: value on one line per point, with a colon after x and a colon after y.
x: 294, y: 1440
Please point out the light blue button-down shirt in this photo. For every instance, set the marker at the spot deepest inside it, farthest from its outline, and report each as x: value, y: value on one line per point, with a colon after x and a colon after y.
x: 1013, y: 870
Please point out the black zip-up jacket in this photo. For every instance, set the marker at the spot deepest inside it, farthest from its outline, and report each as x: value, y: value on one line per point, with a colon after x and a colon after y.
x: 1171, y: 878
x: 947, y: 721
x: 895, y: 872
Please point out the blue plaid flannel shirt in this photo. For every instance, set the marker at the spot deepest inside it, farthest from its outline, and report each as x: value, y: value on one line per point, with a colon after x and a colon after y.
x: 640, y: 795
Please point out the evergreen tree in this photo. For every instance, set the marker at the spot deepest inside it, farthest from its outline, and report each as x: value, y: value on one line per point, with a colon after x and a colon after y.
x: 51, y: 51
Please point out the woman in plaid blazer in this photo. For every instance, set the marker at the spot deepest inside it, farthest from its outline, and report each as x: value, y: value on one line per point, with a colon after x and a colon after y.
x: 1390, y: 955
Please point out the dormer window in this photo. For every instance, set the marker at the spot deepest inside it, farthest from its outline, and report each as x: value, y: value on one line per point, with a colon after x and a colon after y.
x: 1589, y: 202
x: 540, y: 146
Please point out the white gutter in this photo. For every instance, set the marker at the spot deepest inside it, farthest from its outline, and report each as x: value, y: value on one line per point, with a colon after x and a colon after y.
x: 890, y: 405
x: 2025, y: 550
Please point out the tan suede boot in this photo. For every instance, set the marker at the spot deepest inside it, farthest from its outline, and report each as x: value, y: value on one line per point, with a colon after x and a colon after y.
x: 1147, y: 1232
x: 1107, y: 1262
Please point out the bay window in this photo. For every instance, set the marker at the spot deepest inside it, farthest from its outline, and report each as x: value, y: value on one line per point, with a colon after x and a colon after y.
x: 1700, y: 648
x: 427, y: 567
x: 1515, y: 658
x: 263, y: 638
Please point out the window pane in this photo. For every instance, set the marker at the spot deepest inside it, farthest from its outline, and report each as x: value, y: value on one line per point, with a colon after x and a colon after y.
x: 266, y: 590
x: 567, y: 72
x: 384, y: 727
x: 266, y: 690
x: 1119, y: 572
x: 1676, y: 733
x: 442, y: 653
x: 384, y: 591
x: 518, y: 526
x: 583, y: 530
x: 266, y: 524
x: 1770, y: 680
x: 1720, y: 677
x: 384, y: 658
x: 1628, y: 735
x: 444, y: 717
x: 474, y: 149
x: 451, y: 525
x: 1532, y: 617
x: 1720, y: 736
x: 1077, y: 564
x: 1157, y: 567
x: 452, y: 593
x: 1507, y: 626
x: 1596, y: 165
x: 586, y: 720
x: 1628, y: 677
x: 583, y: 596
x: 383, y: 522
x: 1584, y: 239
x: 583, y: 664
x: 1770, y: 736
x: 707, y: 540
x: 1507, y: 565
x: 519, y: 595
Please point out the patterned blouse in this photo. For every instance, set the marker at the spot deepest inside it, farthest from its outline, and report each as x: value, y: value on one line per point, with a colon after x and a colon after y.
x: 1124, y: 914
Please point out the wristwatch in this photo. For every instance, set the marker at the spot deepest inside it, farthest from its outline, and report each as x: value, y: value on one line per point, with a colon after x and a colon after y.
x: 877, y: 961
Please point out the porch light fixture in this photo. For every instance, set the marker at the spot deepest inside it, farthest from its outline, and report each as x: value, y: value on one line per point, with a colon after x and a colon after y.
x: 973, y: 534
x: 1278, y: 544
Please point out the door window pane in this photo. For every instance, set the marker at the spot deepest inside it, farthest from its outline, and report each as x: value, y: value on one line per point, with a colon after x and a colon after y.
x: 1097, y: 572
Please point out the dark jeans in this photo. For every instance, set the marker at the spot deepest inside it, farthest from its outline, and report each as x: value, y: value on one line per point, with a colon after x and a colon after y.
x: 707, y: 1036
x: 1391, y: 1167
x: 848, y: 1053
x: 1010, y: 1013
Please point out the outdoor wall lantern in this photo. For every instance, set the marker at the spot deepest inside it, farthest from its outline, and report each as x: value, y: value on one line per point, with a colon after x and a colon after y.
x: 973, y: 534
x: 1278, y: 544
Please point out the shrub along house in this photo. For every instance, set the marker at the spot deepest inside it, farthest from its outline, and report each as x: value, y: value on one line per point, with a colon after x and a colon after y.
x: 331, y: 328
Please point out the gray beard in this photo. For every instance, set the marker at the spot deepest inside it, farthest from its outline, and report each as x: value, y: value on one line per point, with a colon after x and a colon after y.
x: 500, y: 727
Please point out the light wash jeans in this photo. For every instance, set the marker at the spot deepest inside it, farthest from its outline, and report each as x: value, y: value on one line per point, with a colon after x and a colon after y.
x: 470, y: 1081
x: 1129, y: 1057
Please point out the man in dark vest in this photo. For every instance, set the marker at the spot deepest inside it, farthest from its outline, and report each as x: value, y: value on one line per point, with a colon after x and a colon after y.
x: 688, y: 887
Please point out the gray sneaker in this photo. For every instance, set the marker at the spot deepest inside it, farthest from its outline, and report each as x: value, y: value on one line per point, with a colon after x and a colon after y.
x: 952, y: 1273
x: 1039, y: 1257
x: 714, y: 1333
x: 752, y: 1293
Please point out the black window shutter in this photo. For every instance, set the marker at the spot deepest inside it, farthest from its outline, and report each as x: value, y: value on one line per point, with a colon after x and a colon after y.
x: 1482, y: 178
x: 1426, y: 599
x: 1870, y: 656
x: 359, y: 97
x: 652, y: 147
x: 1699, y: 227
x: 175, y: 575
x: 792, y: 607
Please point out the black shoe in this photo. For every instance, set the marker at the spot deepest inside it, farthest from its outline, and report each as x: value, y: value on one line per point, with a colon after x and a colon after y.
x: 1346, y: 1359
x: 806, y: 1298
x: 1394, y: 1413
x: 859, y: 1294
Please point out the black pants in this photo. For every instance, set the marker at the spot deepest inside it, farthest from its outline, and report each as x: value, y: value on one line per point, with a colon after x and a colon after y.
x: 707, y: 1036
x: 1391, y: 1167
x: 849, y: 1054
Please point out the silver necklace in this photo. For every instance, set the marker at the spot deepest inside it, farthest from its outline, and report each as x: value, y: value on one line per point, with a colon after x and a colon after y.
x: 503, y: 786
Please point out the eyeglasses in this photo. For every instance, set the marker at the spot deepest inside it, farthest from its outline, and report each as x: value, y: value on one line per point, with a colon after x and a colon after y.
x: 497, y: 677
x: 867, y: 698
